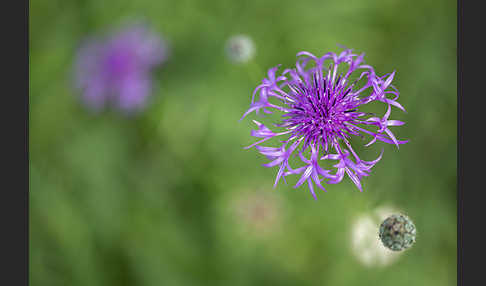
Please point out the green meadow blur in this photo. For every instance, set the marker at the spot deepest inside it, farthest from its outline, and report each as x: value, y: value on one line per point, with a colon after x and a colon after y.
x: 169, y: 197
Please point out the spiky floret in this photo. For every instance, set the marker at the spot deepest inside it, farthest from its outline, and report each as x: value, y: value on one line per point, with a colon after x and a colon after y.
x: 320, y: 112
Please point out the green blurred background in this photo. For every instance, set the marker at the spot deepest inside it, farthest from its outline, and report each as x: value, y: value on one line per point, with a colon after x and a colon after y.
x: 169, y: 197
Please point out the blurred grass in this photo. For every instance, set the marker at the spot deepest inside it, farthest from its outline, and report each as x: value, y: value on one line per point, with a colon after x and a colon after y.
x: 148, y: 200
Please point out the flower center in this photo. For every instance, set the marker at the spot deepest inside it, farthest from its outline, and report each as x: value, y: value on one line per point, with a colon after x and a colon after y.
x: 317, y: 113
x: 119, y: 64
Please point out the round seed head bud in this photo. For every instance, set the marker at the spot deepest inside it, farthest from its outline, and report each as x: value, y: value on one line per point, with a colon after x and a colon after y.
x: 397, y: 232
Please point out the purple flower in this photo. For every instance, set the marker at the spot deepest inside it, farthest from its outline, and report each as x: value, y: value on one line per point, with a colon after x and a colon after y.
x: 116, y: 70
x: 320, y: 112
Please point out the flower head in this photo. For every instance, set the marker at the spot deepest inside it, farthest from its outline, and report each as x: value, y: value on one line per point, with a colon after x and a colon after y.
x: 320, y: 112
x: 116, y: 69
x: 240, y: 48
x: 365, y: 245
x: 257, y: 213
x: 397, y: 232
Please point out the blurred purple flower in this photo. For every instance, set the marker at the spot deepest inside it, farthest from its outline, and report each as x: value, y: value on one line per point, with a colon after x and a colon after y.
x: 321, y: 110
x: 116, y: 70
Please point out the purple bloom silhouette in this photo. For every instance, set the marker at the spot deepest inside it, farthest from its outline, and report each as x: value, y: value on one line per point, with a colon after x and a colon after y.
x: 320, y: 109
x: 116, y: 70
